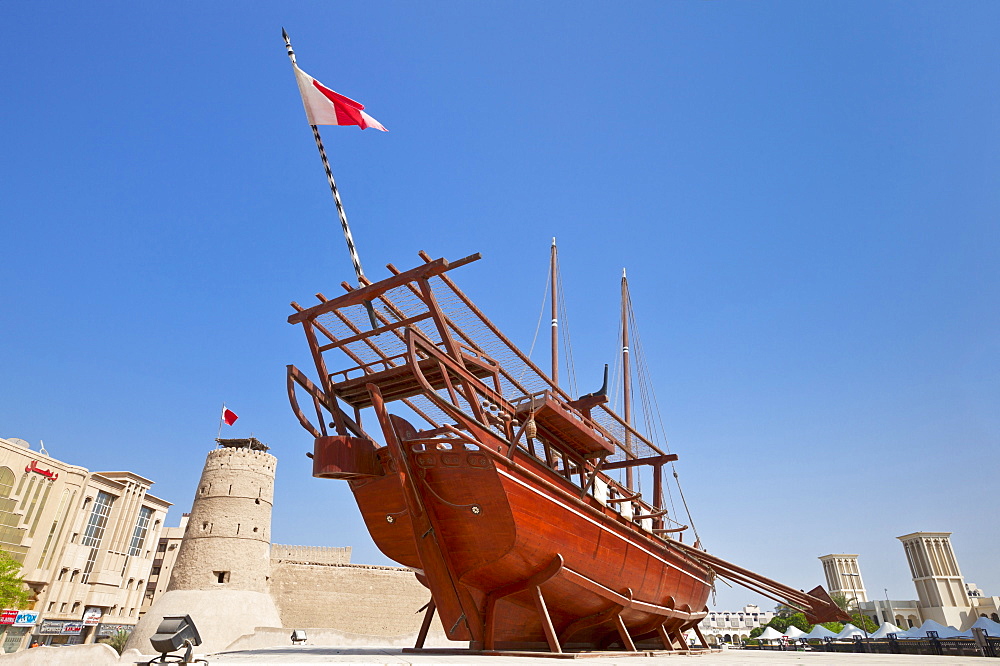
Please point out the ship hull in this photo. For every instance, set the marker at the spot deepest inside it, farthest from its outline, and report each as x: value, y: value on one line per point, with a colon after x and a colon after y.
x: 511, y: 531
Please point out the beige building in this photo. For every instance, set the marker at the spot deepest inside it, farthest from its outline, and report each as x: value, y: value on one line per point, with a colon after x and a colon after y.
x: 163, y: 562
x: 941, y: 589
x: 942, y: 593
x: 843, y: 576
x: 85, y: 541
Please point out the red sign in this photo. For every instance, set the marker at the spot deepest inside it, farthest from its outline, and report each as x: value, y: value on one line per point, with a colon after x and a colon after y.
x: 8, y: 616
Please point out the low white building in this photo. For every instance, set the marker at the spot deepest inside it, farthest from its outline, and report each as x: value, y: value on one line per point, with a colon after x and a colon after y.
x: 733, y: 626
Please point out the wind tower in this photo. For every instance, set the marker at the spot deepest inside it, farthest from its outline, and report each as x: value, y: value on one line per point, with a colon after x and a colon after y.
x: 222, y: 570
x: 843, y: 576
x: 939, y: 582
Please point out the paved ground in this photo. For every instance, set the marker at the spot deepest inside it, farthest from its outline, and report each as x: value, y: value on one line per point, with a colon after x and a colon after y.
x: 393, y: 657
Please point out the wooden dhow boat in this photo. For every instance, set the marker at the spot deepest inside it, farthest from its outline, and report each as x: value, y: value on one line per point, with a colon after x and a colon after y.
x: 495, y: 484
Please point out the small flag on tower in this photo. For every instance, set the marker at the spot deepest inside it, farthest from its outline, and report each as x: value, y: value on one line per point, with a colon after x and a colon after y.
x: 229, y: 416
x: 326, y: 107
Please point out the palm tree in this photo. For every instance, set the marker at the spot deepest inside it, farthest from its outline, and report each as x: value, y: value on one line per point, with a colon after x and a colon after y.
x: 844, y: 602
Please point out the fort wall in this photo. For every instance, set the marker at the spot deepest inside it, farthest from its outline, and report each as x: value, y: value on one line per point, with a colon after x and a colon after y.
x: 358, y: 599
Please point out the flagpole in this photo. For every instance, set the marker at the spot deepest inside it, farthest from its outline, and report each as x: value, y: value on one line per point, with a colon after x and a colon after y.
x: 355, y: 259
x: 222, y: 416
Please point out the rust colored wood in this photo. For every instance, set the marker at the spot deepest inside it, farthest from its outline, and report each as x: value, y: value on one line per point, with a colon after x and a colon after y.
x: 343, y: 457
x: 399, y: 382
x: 295, y: 375
x: 543, y: 612
x: 599, y: 618
x: 384, y: 328
x: 368, y: 293
x: 701, y: 637
x: 627, y: 498
x: 435, y: 566
x: 658, y: 497
x: 425, y: 625
x: 633, y: 462
x: 661, y: 631
x: 513, y: 588
x: 294, y: 401
x: 466, y: 338
x: 626, y: 379
x: 553, y: 265
x: 552, y: 414
x: 623, y: 634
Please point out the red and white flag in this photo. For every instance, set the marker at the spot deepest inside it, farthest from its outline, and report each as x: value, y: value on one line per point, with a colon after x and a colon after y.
x: 326, y: 107
x: 229, y: 416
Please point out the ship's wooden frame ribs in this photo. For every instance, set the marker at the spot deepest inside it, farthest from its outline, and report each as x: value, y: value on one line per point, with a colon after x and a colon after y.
x: 503, y: 503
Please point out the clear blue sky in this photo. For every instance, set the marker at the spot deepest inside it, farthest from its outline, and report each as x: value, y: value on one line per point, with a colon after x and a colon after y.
x: 805, y: 195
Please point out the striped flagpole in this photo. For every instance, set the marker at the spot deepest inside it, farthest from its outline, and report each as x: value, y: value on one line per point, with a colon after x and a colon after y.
x: 355, y: 259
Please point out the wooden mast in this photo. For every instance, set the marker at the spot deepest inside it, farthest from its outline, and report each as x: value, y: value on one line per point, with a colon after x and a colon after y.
x: 555, y: 313
x: 626, y: 378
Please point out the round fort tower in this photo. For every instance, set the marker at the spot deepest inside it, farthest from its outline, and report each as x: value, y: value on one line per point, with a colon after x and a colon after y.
x: 222, y: 571
x: 228, y: 539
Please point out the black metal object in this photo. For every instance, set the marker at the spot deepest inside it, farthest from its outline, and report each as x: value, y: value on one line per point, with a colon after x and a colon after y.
x: 175, y: 632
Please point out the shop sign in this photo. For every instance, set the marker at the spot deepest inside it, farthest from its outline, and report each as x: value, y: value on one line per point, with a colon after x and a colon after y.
x: 26, y: 618
x: 51, y: 626
x: 92, y: 616
x: 7, y: 616
x: 60, y: 627
x: 109, y: 630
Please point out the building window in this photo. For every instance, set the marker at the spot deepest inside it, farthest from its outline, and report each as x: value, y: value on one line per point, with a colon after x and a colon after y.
x: 139, y: 533
x: 995, y: 617
x: 62, y: 607
x: 221, y: 576
x: 94, y: 532
x: 76, y: 606
x: 10, y: 534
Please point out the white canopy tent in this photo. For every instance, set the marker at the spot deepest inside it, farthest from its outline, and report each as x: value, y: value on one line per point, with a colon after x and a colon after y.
x: 849, y: 631
x: 794, y: 632
x: 885, y: 629
x: 770, y: 634
x: 992, y: 628
x: 912, y: 632
x: 819, y: 632
x: 931, y: 625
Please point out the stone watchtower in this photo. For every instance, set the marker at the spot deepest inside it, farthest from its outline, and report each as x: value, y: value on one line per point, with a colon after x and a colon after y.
x: 228, y: 540
x: 222, y: 570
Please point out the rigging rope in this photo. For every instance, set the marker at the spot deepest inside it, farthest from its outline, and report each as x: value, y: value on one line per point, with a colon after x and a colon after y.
x: 538, y: 326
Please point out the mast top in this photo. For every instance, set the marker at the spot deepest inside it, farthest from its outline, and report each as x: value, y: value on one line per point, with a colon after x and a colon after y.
x: 553, y: 241
x: 288, y: 46
x: 623, y: 274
